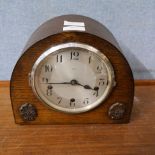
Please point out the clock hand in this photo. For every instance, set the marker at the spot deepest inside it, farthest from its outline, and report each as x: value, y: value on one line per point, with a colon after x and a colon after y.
x: 88, y: 87
x: 74, y: 82
x: 58, y: 83
x: 96, y: 89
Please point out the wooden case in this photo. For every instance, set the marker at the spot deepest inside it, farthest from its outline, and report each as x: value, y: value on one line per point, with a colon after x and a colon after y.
x: 50, y: 34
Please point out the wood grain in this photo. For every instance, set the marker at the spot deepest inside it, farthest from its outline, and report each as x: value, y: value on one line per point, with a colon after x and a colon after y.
x: 137, y: 82
x: 50, y: 34
x: 145, y: 82
x: 136, y: 137
x: 22, y: 93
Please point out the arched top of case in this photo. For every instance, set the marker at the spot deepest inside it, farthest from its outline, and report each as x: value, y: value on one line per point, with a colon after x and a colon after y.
x: 55, y: 25
x: 50, y: 34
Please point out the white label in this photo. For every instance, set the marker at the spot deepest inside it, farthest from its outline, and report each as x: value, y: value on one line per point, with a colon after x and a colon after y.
x: 76, y: 26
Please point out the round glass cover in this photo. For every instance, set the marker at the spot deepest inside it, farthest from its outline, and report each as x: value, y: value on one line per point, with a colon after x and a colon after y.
x: 72, y: 77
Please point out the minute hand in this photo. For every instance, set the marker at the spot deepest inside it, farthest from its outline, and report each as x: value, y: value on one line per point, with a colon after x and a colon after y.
x: 72, y: 82
x: 59, y: 83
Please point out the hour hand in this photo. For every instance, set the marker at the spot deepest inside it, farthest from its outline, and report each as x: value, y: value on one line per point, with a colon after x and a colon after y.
x: 75, y: 82
x: 87, y: 87
x: 96, y: 89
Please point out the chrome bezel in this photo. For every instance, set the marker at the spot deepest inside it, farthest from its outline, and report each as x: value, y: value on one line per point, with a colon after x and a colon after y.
x: 110, y: 70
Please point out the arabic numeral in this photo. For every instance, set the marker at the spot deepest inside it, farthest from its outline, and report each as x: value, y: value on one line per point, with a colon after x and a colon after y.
x: 49, y: 90
x: 86, y: 101
x: 89, y: 59
x: 96, y: 89
x: 48, y: 68
x: 99, y: 69
x: 74, y: 55
x: 72, y: 102
x: 101, y: 82
x: 59, y: 100
x: 59, y: 58
x: 45, y: 80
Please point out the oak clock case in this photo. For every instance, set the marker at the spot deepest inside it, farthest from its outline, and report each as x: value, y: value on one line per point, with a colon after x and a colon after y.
x: 72, y: 72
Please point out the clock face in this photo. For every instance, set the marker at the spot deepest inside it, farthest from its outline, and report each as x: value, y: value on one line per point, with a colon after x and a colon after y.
x: 72, y: 77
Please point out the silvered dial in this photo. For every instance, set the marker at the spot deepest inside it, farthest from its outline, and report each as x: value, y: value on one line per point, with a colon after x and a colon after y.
x: 72, y: 77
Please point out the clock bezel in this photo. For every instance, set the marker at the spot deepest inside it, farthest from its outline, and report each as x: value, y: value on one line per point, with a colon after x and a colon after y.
x: 109, y: 67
